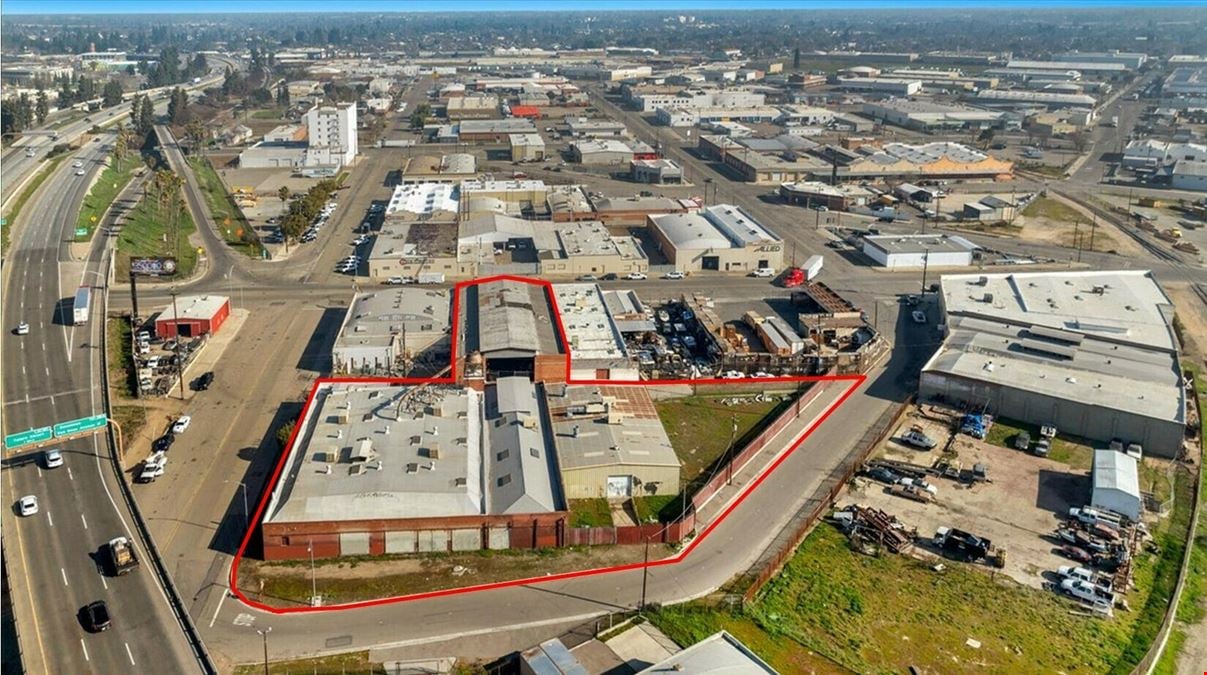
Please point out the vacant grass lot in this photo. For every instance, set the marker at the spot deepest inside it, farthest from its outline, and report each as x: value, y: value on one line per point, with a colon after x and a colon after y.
x: 232, y: 224
x: 1046, y: 207
x: 700, y: 429
x: 887, y: 614
x: 146, y: 233
x: 122, y: 380
x: 111, y: 182
x: 1074, y: 451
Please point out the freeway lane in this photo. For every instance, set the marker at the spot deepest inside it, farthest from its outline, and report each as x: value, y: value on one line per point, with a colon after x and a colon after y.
x: 49, y: 376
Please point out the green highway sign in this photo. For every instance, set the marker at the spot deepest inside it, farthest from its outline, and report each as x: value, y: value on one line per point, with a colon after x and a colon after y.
x: 81, y: 232
x: 14, y: 441
x: 80, y: 426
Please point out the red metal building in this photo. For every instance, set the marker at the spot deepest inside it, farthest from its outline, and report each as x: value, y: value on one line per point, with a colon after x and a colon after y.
x: 198, y: 315
x: 526, y: 111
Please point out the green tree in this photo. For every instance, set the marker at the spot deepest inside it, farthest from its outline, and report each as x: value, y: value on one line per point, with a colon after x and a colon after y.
x: 198, y: 135
x: 42, y: 107
x: 111, y: 93
x: 419, y: 117
x: 178, y: 111
x: 284, y: 432
x: 121, y: 146
x: 146, y: 115
x: 87, y: 90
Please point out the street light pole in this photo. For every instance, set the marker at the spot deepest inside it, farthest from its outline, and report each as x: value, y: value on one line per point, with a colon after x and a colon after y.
x: 246, y: 521
x: 264, y: 634
x: 645, y: 574
x: 733, y: 432
x: 176, y: 349
x: 925, y: 263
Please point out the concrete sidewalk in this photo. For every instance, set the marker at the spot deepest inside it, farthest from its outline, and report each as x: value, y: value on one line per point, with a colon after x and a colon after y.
x: 780, y: 444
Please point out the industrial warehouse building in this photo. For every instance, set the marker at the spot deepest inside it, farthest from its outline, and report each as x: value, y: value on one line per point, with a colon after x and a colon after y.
x: 382, y: 469
x: 452, y: 168
x: 193, y: 316
x: 1093, y: 353
x: 507, y: 327
x: 526, y: 147
x: 1116, y: 483
x: 387, y: 330
x: 909, y: 251
x: 722, y: 238
x: 610, y: 442
x: 657, y: 171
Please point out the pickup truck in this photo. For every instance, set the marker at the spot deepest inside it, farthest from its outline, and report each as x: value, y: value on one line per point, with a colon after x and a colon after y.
x: 121, y: 556
x: 1092, y: 516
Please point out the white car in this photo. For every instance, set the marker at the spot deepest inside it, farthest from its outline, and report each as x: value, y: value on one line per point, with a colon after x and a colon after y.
x: 763, y: 273
x: 674, y: 275
x: 28, y: 505
x: 732, y: 375
x: 79, y: 172
x: 919, y: 316
x: 77, y: 164
x: 182, y: 424
x: 22, y: 328
x: 400, y: 281
x: 636, y: 276
x: 154, y: 467
x: 53, y: 458
x: 144, y: 348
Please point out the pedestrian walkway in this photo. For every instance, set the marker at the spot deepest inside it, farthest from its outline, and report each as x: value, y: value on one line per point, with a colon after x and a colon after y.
x: 642, y: 646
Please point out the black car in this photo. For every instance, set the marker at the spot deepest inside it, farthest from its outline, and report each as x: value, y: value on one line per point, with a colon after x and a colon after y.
x: 610, y: 276
x: 164, y: 442
x: 96, y: 616
x: 883, y: 474
x: 202, y: 383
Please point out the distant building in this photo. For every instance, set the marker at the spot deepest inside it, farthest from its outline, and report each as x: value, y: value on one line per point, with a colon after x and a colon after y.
x: 1186, y: 81
x: 331, y: 136
x: 883, y: 85
x: 657, y: 171
x: 452, y: 168
x: 472, y: 108
x: 583, y: 127
x: 493, y: 131
x: 526, y: 147
x: 926, y: 116
x: 722, y: 238
x: 817, y: 194
x: 1188, y: 175
x: 910, y: 251
x: 1016, y: 98
x: 386, y: 330
x: 601, y: 151
x: 990, y: 208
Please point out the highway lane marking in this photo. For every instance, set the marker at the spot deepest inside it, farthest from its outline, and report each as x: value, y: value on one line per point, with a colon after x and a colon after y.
x: 129, y: 653
x: 85, y: 521
x: 64, y: 573
x: 44, y: 397
x: 85, y: 648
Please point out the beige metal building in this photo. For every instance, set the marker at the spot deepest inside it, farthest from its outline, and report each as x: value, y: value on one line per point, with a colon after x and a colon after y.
x: 722, y: 238
x: 527, y: 147
x: 610, y: 442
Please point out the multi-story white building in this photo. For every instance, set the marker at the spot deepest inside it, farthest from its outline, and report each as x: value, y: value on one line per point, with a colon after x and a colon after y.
x: 332, y: 135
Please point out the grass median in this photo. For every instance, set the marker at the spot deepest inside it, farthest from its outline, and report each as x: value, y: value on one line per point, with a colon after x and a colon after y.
x: 232, y: 224
x: 147, y: 233
x: 116, y: 176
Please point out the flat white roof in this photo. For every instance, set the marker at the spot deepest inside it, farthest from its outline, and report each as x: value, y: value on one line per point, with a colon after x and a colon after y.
x: 590, y: 331
x: 423, y: 198
x: 380, y: 317
x: 1124, y: 306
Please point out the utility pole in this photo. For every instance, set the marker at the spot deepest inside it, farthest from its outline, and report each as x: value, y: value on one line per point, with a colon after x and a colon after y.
x: 313, y: 579
x: 733, y: 433
x: 1077, y: 238
x: 176, y: 348
x: 925, y: 263
x: 1093, y: 229
x: 645, y: 574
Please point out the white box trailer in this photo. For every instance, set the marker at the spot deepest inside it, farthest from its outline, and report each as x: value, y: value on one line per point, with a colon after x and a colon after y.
x: 81, y: 306
x: 812, y: 267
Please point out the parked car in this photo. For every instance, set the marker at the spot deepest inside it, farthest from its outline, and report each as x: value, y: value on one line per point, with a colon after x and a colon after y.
x: 919, y: 483
x: 1042, y: 447
x: 1022, y: 440
x: 1076, y: 553
x: 674, y: 275
x: 163, y: 443
x: 918, y: 439
x: 182, y: 424
x: 636, y: 276
x: 152, y: 468
x: 733, y: 375
x: 588, y: 277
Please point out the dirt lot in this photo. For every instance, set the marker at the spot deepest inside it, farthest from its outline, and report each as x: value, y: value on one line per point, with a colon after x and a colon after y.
x: 1017, y: 510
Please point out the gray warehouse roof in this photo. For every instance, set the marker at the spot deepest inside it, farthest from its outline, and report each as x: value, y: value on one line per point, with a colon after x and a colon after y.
x: 597, y: 426
x: 718, y: 654
x: 897, y: 244
x: 382, y: 316
x: 1114, y: 470
x: 720, y: 226
x: 508, y: 319
x: 375, y: 451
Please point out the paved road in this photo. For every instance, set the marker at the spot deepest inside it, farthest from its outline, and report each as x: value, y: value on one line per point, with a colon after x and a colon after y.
x: 17, y: 165
x: 50, y: 376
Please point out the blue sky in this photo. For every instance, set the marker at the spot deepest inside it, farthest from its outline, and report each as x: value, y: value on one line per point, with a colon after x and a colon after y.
x: 345, y: 6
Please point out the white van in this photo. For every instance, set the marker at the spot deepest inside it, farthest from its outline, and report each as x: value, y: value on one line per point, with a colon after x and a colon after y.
x: 763, y: 273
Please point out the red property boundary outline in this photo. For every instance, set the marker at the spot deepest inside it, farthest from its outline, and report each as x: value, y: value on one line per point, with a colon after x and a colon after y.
x: 855, y: 380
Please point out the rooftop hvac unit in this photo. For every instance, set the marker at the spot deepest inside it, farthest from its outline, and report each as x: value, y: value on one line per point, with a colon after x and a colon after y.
x: 433, y: 451
x: 988, y: 298
x: 413, y: 467
x: 325, y: 456
x: 356, y: 470
x: 459, y: 481
x: 529, y: 422
x: 982, y: 281
x: 341, y: 417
